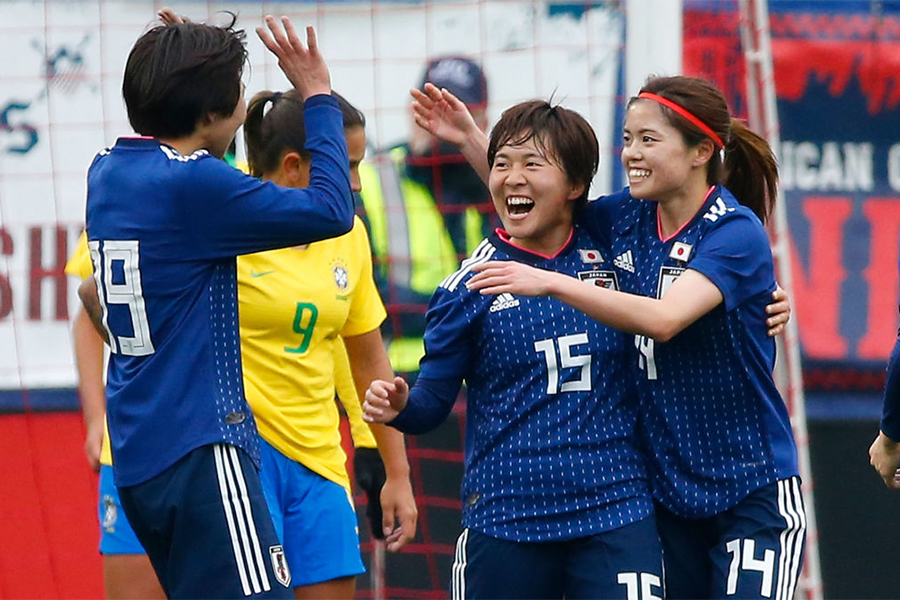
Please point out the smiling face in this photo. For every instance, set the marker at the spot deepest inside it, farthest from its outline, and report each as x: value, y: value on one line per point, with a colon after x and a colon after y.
x: 659, y: 164
x: 533, y: 197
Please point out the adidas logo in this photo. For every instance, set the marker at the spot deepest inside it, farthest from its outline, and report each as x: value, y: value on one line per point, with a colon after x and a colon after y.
x: 625, y: 262
x: 503, y: 302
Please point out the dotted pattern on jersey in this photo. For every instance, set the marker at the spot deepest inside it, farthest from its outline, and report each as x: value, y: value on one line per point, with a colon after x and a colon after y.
x: 703, y: 420
x: 547, y: 466
x: 236, y: 422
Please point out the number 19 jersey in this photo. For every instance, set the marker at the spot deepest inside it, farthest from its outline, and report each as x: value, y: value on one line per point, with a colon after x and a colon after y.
x: 163, y: 230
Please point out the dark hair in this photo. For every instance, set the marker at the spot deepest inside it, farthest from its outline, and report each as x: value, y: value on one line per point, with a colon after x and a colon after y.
x: 178, y: 74
x: 268, y: 133
x: 559, y: 133
x: 750, y: 170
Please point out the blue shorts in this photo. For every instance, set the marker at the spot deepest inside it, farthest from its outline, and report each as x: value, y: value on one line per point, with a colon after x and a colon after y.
x: 752, y: 550
x: 206, y: 528
x: 623, y: 563
x: 314, y: 517
x: 116, y: 534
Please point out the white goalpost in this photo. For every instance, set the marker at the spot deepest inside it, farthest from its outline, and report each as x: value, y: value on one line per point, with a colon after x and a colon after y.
x: 763, y: 116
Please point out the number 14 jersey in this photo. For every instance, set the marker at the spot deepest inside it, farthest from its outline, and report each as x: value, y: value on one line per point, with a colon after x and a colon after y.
x: 713, y: 423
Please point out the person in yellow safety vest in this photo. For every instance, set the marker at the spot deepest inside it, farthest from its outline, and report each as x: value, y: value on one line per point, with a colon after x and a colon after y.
x: 426, y: 209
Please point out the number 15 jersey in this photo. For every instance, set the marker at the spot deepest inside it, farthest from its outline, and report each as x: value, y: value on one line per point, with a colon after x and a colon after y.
x: 550, y: 452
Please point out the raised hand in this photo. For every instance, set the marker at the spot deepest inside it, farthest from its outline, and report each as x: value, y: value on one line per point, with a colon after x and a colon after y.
x: 384, y: 400
x: 303, y: 65
x: 442, y: 114
x: 168, y: 17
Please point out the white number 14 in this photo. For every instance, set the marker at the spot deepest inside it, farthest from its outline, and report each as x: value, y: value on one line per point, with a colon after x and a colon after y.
x: 747, y: 561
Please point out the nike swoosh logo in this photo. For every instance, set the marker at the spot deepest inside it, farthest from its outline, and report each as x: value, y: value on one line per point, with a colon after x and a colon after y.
x: 255, y: 274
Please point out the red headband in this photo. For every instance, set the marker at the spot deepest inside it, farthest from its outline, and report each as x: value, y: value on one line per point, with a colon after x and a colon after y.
x: 686, y: 114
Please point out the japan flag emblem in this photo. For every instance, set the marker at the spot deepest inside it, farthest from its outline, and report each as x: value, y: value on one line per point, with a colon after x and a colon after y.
x: 590, y: 256
x: 680, y: 251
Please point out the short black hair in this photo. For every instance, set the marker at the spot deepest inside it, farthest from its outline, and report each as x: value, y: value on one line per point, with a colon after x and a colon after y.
x: 560, y: 134
x: 177, y: 74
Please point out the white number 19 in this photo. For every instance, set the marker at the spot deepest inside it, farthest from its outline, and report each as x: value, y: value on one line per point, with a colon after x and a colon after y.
x: 128, y: 292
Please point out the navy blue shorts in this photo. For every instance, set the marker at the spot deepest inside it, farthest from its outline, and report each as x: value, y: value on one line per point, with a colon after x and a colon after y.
x: 752, y: 550
x: 206, y: 528
x: 623, y: 563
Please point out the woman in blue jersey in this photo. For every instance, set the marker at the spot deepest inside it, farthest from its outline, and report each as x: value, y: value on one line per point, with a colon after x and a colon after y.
x: 696, y: 272
x: 555, y: 498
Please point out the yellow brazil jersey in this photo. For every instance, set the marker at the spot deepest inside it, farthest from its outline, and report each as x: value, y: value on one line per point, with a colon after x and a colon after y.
x: 80, y: 266
x: 294, y: 304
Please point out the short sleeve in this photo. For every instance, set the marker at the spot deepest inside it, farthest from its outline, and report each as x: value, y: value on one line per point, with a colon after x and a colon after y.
x: 736, y: 256
x: 79, y: 263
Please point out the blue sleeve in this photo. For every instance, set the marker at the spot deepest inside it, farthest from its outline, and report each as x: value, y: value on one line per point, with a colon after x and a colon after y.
x: 232, y: 213
x: 890, y: 417
x: 736, y: 256
x: 449, y: 340
x: 430, y: 401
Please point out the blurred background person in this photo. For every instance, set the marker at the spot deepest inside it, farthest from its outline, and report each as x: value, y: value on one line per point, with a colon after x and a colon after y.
x: 426, y: 209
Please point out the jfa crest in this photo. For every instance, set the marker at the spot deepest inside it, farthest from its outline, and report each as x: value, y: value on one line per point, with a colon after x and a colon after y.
x: 280, y: 566
x: 605, y: 279
x: 667, y: 276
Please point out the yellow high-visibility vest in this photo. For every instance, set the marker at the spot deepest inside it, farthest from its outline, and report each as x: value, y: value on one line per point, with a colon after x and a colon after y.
x: 410, y: 241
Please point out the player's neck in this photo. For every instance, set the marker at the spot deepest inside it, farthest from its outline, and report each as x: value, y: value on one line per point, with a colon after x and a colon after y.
x: 185, y: 145
x: 675, y: 212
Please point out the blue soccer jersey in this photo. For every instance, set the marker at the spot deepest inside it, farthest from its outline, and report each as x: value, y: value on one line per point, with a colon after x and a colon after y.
x: 713, y: 423
x: 550, y: 452
x: 164, y: 230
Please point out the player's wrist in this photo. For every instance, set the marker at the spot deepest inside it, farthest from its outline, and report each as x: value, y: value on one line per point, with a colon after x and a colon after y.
x: 888, y: 442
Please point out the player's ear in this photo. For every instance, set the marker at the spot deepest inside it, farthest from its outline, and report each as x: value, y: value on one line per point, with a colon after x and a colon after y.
x: 575, y: 191
x: 703, y: 152
x: 293, y: 166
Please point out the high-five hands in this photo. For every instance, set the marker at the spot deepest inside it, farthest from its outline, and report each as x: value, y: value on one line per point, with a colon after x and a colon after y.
x: 304, y: 66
